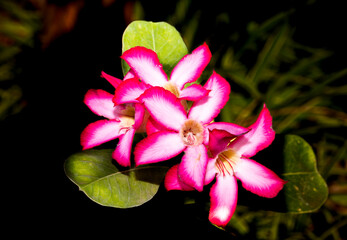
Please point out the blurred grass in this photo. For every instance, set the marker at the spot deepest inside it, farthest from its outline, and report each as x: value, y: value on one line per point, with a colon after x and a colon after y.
x: 18, y: 27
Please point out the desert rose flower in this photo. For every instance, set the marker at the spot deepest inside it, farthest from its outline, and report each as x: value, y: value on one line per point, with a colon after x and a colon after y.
x: 146, y: 66
x: 230, y: 147
x: 122, y: 121
x: 180, y: 131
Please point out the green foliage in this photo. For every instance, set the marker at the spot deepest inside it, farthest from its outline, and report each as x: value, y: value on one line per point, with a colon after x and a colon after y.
x: 161, y: 37
x: 93, y: 172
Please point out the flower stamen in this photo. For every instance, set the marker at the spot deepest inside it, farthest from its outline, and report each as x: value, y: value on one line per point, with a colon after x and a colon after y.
x: 226, y: 162
x: 192, y: 132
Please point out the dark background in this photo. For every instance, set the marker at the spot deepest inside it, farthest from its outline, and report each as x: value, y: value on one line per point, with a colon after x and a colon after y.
x: 40, y: 199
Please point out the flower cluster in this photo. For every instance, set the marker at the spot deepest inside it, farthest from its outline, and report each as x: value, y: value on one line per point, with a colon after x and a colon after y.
x: 147, y: 101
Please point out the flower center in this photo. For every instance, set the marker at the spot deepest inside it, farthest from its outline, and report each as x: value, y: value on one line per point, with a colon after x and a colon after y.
x: 192, y: 132
x: 128, y: 110
x: 172, y: 88
x: 127, y: 118
x: 226, y: 162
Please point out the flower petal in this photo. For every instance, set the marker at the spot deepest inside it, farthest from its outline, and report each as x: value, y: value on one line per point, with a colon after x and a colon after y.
x: 130, y: 74
x: 146, y: 65
x: 139, y: 116
x: 112, y: 80
x: 164, y: 107
x: 158, y: 147
x: 122, y: 152
x: 258, y: 179
x: 129, y: 90
x: 193, y: 93
x: 190, y: 67
x: 219, y: 140
x: 153, y: 126
x: 192, y: 168
x: 173, y: 182
x: 100, y: 132
x: 211, y: 170
x: 208, y: 107
x: 229, y: 127
x: 223, y: 196
x: 259, y: 137
x: 100, y: 102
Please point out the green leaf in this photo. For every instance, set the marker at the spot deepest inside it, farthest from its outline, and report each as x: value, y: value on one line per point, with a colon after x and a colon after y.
x: 94, y: 173
x: 306, y: 190
x: 161, y: 37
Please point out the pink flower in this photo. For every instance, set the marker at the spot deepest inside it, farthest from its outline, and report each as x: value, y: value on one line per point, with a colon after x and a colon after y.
x: 230, y: 147
x: 145, y: 64
x: 122, y: 121
x: 178, y: 132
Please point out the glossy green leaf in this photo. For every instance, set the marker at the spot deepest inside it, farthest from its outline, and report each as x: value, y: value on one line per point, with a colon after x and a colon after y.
x: 95, y: 174
x: 161, y: 37
x: 306, y: 190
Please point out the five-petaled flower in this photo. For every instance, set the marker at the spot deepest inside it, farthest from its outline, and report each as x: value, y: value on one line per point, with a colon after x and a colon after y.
x: 122, y: 121
x: 230, y: 147
x: 145, y: 64
x: 176, y: 132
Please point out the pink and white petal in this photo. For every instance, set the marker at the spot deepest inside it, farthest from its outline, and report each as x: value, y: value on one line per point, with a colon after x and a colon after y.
x: 100, y: 103
x: 100, y: 132
x: 259, y: 137
x: 223, y: 196
x: 112, y: 80
x: 229, y: 127
x: 130, y: 74
x: 211, y: 170
x: 190, y: 67
x: 192, y: 168
x: 173, y: 182
x: 164, y: 107
x: 219, y: 141
x: 208, y: 107
x: 139, y: 115
x: 193, y: 92
x: 129, y: 91
x: 258, y: 179
x: 158, y: 147
x: 122, y: 152
x: 153, y: 126
x: 145, y: 64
